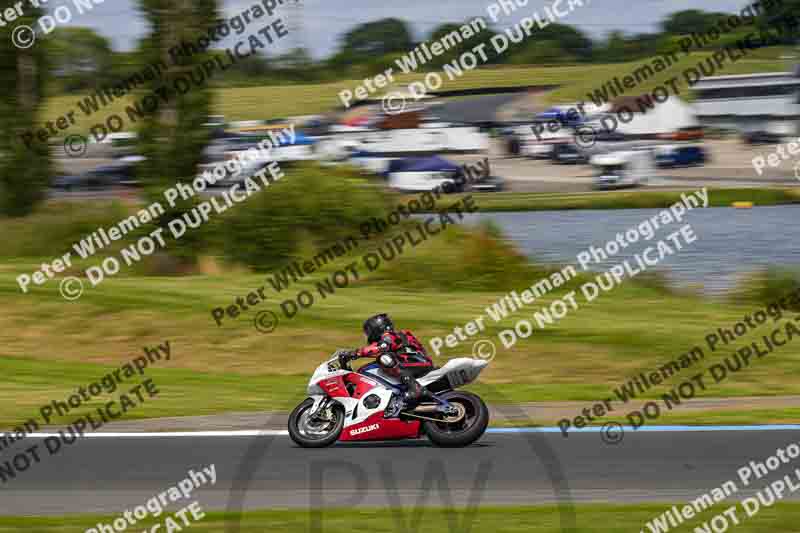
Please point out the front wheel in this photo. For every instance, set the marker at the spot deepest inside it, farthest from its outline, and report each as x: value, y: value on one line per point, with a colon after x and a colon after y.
x: 319, y: 431
x: 463, y: 429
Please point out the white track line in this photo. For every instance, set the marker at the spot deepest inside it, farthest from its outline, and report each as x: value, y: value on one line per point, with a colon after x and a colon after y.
x: 284, y: 433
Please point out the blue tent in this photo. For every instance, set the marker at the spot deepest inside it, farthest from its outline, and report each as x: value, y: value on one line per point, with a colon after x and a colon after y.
x: 299, y: 140
x: 561, y: 115
x: 362, y: 153
x: 423, y: 164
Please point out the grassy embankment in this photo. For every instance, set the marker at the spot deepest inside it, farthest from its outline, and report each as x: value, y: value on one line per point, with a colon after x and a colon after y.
x: 50, y: 346
x: 588, y: 518
x: 639, y: 199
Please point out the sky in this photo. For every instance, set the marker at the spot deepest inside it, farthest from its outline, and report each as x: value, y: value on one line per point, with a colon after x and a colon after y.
x: 324, y: 22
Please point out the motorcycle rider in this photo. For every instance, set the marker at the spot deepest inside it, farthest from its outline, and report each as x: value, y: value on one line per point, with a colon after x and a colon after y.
x: 399, y: 354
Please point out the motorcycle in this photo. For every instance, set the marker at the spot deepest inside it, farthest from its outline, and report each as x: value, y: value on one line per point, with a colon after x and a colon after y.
x: 346, y: 405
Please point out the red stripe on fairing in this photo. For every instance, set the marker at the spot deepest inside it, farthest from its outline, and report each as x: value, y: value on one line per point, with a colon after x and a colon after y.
x: 363, y: 384
x: 334, y: 387
x: 388, y: 429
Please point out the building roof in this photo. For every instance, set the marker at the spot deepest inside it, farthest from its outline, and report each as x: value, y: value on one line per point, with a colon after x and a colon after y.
x: 775, y: 106
x: 742, y: 80
x: 474, y: 109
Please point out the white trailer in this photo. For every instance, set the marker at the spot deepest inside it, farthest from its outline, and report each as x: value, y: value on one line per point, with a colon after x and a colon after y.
x: 400, y: 142
x: 629, y: 168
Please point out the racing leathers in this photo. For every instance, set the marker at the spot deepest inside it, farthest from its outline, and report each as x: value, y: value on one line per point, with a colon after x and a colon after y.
x: 401, y: 355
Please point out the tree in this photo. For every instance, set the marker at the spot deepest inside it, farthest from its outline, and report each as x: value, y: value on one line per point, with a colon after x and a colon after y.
x: 464, y: 46
x: 256, y: 66
x: 173, y: 138
x: 619, y: 47
x: 783, y: 20
x: 294, y: 59
x: 571, y: 39
x: 541, y: 52
x: 691, y: 21
x: 614, y: 49
x: 377, y: 38
x: 80, y: 58
x: 24, y: 171
x: 556, y: 43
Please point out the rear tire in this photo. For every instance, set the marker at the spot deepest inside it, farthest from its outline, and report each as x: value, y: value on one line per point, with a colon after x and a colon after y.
x: 311, y: 434
x: 464, y: 432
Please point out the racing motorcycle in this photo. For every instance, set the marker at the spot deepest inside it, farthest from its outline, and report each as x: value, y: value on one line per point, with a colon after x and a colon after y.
x: 347, y: 405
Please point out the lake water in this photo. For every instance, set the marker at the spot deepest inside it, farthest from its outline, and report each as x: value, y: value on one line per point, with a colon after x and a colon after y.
x: 730, y: 242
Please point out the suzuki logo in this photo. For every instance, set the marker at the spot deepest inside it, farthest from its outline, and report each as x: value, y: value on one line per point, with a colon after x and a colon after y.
x: 365, y: 429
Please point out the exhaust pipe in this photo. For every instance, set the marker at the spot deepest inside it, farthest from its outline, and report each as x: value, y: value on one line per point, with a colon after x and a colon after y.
x: 426, y: 408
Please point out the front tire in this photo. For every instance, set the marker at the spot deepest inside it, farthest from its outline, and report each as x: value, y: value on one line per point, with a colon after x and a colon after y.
x: 310, y: 433
x: 467, y: 430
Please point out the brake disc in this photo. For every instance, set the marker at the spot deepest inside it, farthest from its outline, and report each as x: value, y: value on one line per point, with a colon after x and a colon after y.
x: 457, y: 416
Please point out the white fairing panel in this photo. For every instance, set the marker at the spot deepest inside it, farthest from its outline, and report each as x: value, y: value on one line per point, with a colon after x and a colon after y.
x: 356, y: 411
x: 459, y: 372
x: 322, y: 372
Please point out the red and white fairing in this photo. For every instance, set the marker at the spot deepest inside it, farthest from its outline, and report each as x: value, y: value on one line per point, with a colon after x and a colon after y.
x: 363, y: 422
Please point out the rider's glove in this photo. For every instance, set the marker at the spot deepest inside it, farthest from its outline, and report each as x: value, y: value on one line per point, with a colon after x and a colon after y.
x: 346, y: 355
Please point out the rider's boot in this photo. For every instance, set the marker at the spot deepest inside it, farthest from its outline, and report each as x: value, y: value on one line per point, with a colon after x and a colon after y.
x: 408, y: 400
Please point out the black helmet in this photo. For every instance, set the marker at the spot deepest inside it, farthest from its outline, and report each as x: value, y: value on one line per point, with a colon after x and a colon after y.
x: 375, y: 326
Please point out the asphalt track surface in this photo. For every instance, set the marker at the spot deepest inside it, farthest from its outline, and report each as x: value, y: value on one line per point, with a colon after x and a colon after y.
x: 111, y: 474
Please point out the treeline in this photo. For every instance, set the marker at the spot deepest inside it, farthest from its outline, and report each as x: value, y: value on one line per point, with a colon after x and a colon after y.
x: 371, y: 46
x: 82, y: 59
x: 77, y: 59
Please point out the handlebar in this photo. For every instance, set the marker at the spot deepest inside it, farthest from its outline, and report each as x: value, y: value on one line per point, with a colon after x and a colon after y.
x: 342, y: 357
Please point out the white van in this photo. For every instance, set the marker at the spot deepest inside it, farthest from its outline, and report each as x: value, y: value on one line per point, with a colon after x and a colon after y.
x: 628, y: 168
x: 541, y: 146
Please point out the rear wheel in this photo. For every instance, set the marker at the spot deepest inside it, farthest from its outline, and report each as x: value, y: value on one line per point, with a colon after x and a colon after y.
x: 465, y: 427
x: 316, y: 431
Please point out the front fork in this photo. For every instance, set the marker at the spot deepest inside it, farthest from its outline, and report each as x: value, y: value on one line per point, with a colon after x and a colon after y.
x: 321, y: 403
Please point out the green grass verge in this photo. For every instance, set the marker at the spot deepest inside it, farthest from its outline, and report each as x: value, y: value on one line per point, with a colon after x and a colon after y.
x: 640, y: 199
x: 30, y: 385
x: 36, y: 383
x: 544, y: 519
